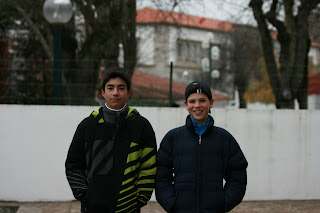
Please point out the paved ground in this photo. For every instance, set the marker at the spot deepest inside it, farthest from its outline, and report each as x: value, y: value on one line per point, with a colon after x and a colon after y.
x: 284, y: 206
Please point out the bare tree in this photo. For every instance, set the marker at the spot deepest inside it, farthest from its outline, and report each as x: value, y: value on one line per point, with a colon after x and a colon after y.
x: 87, y: 43
x: 289, y: 81
x: 246, y: 54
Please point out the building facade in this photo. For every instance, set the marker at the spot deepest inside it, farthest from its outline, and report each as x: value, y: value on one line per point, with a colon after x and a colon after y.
x: 201, y: 49
x: 191, y: 43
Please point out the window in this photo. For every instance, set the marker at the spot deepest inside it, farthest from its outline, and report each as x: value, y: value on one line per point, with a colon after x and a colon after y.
x: 188, y: 51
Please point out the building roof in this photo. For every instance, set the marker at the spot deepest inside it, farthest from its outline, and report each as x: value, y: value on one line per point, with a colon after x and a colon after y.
x: 147, y: 86
x: 315, y: 44
x: 149, y: 15
x: 314, y: 84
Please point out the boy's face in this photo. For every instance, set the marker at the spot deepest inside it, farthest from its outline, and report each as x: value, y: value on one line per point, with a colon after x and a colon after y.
x: 116, y: 93
x: 198, y: 106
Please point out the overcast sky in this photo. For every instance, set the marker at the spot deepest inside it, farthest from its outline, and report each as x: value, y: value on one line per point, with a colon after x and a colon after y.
x: 226, y: 10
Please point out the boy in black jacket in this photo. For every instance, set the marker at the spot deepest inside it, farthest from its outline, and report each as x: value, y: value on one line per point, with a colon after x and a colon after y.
x: 111, y: 160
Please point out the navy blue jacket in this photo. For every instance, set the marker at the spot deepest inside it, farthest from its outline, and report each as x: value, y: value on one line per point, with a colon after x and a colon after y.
x: 191, y: 170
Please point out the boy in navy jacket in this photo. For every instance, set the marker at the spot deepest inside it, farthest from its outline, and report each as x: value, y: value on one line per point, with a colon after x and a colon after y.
x: 195, y: 159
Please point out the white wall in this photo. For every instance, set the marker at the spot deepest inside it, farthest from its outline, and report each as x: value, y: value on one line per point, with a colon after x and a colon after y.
x: 146, y: 45
x: 282, y: 148
x: 315, y: 54
x: 314, y: 101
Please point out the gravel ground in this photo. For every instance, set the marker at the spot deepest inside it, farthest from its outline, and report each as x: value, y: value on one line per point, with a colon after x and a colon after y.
x: 281, y: 206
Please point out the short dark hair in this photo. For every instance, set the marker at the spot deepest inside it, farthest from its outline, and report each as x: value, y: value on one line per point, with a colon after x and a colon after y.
x: 116, y: 72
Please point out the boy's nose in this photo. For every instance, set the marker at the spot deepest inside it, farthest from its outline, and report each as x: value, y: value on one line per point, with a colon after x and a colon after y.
x: 115, y: 91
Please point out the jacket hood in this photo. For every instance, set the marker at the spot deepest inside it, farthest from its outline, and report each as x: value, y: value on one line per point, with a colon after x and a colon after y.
x: 132, y: 113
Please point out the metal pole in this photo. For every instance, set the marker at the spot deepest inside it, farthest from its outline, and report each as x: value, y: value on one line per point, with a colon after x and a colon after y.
x: 170, y: 90
x: 57, y: 91
x: 210, y: 65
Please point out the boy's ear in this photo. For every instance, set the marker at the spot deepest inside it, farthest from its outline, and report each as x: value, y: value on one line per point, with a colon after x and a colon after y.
x: 211, y: 102
x: 129, y: 93
x: 185, y: 103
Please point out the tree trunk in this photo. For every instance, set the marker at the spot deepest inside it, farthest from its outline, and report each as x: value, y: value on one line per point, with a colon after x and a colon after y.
x: 129, y: 43
x: 267, y: 44
x: 242, y: 101
x: 292, y: 83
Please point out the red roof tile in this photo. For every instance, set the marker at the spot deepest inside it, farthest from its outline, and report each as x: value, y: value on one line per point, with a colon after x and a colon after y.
x: 147, y: 86
x: 314, y: 84
x: 314, y: 44
x: 149, y: 15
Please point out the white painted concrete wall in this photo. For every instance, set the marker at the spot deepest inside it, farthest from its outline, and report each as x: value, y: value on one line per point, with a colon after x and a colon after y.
x: 314, y: 53
x: 282, y: 148
x: 314, y: 101
x: 146, y: 45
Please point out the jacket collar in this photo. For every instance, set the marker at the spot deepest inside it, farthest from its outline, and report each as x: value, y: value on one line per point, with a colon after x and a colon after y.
x: 129, y: 113
x: 191, y: 127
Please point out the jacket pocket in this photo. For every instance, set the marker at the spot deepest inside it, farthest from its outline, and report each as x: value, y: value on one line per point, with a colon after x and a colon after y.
x: 101, y: 195
x: 185, y: 198
x: 214, y: 197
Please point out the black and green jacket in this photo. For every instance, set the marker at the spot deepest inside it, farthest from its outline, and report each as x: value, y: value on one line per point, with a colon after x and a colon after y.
x: 112, y: 169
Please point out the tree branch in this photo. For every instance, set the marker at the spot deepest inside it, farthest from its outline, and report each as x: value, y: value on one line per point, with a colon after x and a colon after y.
x: 36, y: 30
x: 289, y: 17
x: 86, y: 9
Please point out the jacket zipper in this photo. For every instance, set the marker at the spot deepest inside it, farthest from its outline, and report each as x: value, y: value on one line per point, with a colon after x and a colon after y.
x: 115, y: 177
x: 200, y: 176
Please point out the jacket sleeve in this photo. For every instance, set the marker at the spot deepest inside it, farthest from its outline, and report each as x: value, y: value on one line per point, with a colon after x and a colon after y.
x: 165, y: 193
x: 235, y: 176
x: 147, y: 173
x: 76, y: 164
